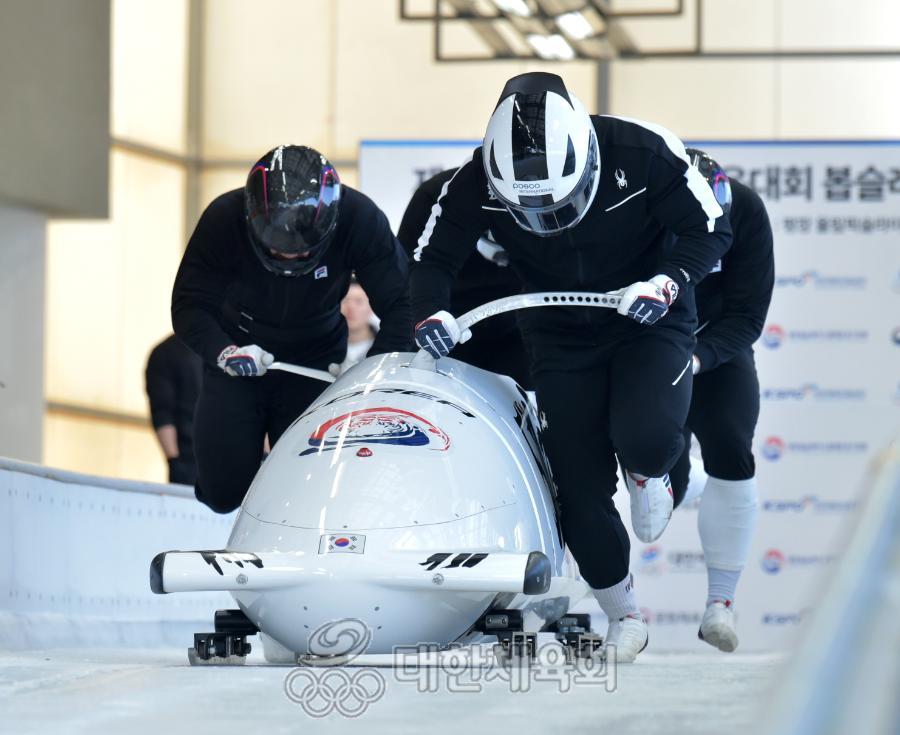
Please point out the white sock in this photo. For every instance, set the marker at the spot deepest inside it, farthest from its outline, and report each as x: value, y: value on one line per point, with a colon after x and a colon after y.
x: 618, y: 601
x: 726, y: 523
x: 722, y: 585
x: 696, y: 481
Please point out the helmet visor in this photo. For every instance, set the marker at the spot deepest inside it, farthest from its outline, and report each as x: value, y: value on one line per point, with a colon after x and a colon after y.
x: 292, y: 225
x: 550, y: 219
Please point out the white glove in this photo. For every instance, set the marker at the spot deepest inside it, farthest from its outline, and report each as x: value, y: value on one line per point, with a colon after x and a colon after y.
x: 244, y: 361
x: 440, y: 333
x: 648, y: 301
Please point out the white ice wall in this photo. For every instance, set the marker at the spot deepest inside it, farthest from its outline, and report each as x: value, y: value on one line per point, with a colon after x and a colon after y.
x: 75, y: 556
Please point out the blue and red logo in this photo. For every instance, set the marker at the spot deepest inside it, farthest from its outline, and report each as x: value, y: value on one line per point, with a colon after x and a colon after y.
x: 773, y: 335
x: 342, y: 541
x: 772, y: 561
x: 377, y: 426
x: 650, y: 554
x: 773, y: 448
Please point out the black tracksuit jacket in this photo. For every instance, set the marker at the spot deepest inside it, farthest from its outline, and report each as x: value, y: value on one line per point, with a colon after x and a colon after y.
x: 647, y: 193
x: 223, y: 294
x: 733, y: 300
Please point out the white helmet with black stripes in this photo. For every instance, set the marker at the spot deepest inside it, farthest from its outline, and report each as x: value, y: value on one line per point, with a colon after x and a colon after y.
x: 541, y: 155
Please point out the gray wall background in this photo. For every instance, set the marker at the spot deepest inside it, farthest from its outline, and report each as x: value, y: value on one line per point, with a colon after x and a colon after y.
x: 54, y: 160
x: 54, y: 105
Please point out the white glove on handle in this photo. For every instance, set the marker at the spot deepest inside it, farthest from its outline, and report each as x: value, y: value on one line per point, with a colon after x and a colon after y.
x: 244, y: 361
x: 648, y: 301
x: 440, y: 333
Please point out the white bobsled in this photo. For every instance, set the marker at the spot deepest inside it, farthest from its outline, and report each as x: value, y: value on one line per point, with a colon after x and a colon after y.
x: 414, y: 499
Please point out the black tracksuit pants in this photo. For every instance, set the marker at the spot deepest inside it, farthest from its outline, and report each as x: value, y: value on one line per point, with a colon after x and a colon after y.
x: 233, y: 416
x: 723, y: 415
x: 630, y: 398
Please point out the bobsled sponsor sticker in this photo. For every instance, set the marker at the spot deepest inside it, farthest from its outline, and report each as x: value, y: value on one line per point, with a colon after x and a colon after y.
x: 377, y: 426
x: 230, y: 557
x: 459, y: 560
x: 342, y: 544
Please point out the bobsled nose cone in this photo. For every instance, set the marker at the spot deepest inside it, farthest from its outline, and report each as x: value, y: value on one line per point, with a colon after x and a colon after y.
x: 156, y: 574
x: 537, y: 574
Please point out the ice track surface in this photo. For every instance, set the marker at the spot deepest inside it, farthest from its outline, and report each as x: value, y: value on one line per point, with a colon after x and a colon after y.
x: 154, y: 691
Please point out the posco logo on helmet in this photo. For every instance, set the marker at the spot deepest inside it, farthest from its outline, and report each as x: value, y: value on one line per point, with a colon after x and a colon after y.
x: 528, y: 185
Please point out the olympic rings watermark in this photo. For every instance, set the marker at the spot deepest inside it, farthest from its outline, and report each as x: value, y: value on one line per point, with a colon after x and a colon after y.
x: 321, y: 687
x: 321, y: 693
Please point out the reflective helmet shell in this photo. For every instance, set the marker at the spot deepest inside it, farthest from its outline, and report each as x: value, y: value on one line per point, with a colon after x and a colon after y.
x: 291, y: 203
x: 714, y: 174
x: 541, y: 155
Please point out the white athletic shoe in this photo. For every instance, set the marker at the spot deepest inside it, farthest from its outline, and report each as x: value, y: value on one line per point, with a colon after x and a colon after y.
x: 629, y: 636
x: 717, y: 626
x: 651, y: 505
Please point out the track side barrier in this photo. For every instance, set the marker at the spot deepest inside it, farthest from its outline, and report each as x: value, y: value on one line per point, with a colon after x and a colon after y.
x: 75, y: 552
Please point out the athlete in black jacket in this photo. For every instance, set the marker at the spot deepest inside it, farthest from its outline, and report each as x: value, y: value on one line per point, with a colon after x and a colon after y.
x: 585, y: 203
x: 263, y: 277
x: 486, y: 275
x: 732, y: 302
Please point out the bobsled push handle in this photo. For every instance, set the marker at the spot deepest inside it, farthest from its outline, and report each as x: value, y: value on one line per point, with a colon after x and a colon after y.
x: 306, y: 372
x: 610, y: 300
x: 530, y: 300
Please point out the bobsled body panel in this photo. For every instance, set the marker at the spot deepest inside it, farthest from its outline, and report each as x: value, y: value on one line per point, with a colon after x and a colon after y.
x: 411, y: 499
x: 407, y: 448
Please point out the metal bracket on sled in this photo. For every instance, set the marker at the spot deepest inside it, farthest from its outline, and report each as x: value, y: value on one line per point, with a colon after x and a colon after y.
x: 574, y: 632
x: 228, y: 645
x: 513, y: 643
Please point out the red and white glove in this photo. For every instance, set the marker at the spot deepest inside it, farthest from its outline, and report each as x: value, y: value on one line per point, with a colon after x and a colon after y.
x: 245, y: 361
x: 440, y: 333
x: 648, y: 301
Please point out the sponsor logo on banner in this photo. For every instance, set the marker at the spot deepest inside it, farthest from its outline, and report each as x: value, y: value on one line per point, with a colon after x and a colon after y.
x: 690, y: 617
x: 686, y: 561
x: 377, y: 426
x: 653, y: 561
x: 773, y: 561
x: 784, y: 618
x: 774, y: 447
x: 816, y: 279
x: 810, y: 503
x: 813, y: 392
x: 774, y: 335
